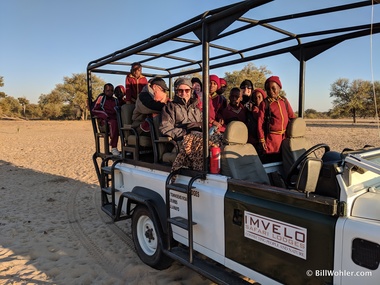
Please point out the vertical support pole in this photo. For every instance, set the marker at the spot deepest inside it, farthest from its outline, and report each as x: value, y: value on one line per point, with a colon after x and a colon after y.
x: 190, y: 221
x: 89, y: 103
x: 205, y: 81
x: 301, y: 96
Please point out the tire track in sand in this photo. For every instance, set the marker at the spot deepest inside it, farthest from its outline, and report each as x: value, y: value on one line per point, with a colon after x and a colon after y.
x: 94, y: 250
x: 119, y: 232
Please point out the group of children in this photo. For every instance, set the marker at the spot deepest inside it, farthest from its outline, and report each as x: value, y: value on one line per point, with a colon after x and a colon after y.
x: 265, y: 112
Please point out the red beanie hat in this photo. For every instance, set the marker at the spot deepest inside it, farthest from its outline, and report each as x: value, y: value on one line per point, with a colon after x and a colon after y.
x: 215, y: 78
x: 222, y: 81
x: 261, y: 91
x: 273, y: 79
x: 122, y: 88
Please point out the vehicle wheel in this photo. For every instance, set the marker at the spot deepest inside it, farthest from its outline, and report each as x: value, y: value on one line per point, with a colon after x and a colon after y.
x: 144, y: 233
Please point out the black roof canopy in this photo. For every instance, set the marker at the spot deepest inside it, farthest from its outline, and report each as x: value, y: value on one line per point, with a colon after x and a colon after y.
x: 181, y: 44
x: 213, y: 39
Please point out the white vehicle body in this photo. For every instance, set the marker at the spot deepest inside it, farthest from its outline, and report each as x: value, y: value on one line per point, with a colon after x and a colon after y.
x: 362, y: 219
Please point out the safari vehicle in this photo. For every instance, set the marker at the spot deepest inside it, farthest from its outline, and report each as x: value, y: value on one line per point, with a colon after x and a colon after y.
x: 321, y: 226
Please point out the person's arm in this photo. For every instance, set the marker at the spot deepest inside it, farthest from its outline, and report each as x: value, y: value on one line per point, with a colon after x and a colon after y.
x: 97, y: 110
x: 167, y: 125
x: 128, y: 90
x: 261, y: 124
x: 289, y: 109
x: 150, y: 103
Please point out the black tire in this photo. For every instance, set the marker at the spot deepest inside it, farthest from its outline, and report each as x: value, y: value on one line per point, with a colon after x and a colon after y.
x: 146, y: 239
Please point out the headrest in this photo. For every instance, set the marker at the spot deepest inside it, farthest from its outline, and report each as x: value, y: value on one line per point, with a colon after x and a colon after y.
x: 236, y: 133
x: 296, y: 128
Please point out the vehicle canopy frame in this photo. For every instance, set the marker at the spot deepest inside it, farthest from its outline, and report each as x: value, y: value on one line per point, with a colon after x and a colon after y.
x: 203, y: 43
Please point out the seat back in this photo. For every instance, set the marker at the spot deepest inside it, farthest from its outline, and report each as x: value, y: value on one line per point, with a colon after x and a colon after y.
x: 295, y: 142
x: 126, y: 112
x: 165, y: 149
x: 239, y: 159
x: 308, y: 175
x: 101, y: 130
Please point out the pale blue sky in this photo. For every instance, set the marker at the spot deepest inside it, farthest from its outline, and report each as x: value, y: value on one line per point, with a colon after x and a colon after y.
x: 45, y: 40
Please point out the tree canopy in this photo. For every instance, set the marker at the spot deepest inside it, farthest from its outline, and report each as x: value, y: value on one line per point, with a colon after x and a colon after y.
x: 68, y: 100
x: 354, y: 99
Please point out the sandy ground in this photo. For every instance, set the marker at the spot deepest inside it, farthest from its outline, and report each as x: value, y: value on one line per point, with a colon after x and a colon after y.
x: 52, y: 230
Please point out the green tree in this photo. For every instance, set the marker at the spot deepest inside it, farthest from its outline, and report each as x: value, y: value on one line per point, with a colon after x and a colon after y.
x: 33, y: 111
x: 10, y: 106
x: 251, y: 72
x: 2, y: 94
x: 23, y: 102
x: 51, y: 105
x: 376, y: 90
x: 53, y: 97
x: 74, y: 90
x: 350, y: 99
x: 311, y: 114
x: 372, y: 99
x: 68, y: 100
x: 52, y: 111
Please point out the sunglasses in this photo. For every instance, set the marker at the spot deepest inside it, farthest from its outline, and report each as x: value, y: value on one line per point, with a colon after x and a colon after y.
x: 180, y: 91
x: 245, y: 87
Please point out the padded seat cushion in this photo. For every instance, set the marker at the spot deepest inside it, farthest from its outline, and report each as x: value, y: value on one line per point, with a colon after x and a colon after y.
x: 295, y: 143
x: 236, y: 133
x: 169, y: 157
x: 239, y: 158
x: 145, y: 141
x: 243, y: 162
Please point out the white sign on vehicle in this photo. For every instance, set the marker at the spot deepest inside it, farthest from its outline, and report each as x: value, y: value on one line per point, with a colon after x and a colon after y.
x: 283, y: 236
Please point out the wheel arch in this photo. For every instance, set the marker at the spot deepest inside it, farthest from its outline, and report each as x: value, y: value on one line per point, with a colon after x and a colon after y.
x: 153, y: 201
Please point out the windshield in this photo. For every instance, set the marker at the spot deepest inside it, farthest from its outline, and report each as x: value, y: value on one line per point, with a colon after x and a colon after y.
x: 366, y: 159
x: 374, y: 158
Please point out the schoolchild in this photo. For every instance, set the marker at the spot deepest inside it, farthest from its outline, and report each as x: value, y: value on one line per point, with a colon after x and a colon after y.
x: 120, y: 94
x: 134, y: 83
x: 258, y: 95
x: 274, y: 114
x: 104, y: 109
x: 246, y: 87
x: 223, y: 87
x: 235, y: 111
x: 218, y: 102
x: 198, y: 93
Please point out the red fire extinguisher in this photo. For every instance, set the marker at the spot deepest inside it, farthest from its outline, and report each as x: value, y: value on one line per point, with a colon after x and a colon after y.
x: 215, y: 159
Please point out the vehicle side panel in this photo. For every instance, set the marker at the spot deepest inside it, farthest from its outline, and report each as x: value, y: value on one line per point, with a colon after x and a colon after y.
x: 366, y: 232
x: 266, y: 235
x: 207, y: 199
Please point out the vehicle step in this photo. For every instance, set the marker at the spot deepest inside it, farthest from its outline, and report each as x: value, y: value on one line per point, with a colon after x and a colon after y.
x: 107, y: 190
x: 107, y: 208
x: 122, y: 218
x: 209, y: 269
x: 180, y: 222
x: 106, y: 169
x: 178, y: 187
